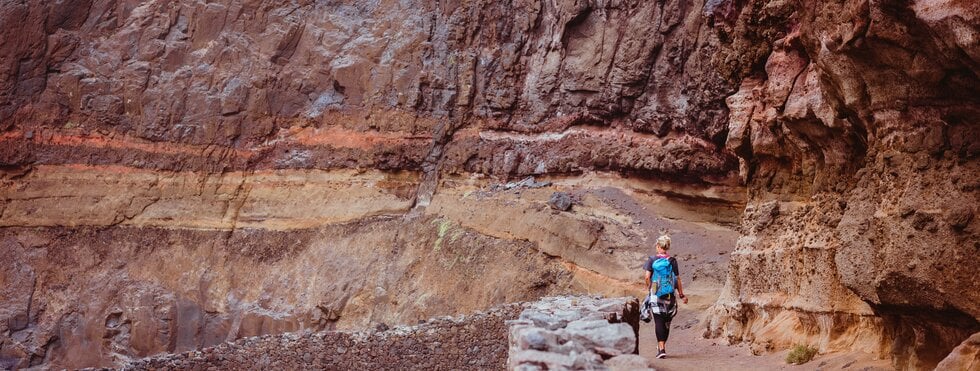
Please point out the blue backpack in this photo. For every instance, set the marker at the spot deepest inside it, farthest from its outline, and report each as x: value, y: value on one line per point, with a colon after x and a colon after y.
x: 663, y: 276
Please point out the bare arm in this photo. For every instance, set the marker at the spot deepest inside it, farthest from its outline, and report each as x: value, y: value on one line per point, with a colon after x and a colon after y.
x: 680, y: 290
x: 649, y: 282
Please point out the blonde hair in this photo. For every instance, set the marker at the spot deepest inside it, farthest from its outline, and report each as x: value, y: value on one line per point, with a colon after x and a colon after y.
x: 664, y: 242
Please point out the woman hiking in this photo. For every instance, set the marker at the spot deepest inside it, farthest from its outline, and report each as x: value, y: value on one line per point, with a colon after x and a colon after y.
x: 664, y: 285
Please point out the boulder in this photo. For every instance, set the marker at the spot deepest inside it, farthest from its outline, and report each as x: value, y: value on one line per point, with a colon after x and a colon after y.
x: 560, y: 201
x: 628, y: 362
x: 965, y: 357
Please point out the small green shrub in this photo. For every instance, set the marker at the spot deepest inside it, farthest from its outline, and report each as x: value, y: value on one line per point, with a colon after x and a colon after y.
x: 801, y: 354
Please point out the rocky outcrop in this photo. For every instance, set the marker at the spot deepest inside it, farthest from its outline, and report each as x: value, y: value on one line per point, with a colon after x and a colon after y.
x: 301, y: 85
x: 573, y: 333
x: 859, y: 141
x: 128, y: 292
x: 965, y: 356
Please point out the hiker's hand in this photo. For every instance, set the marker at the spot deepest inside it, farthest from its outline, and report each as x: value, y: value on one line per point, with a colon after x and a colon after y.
x: 684, y: 298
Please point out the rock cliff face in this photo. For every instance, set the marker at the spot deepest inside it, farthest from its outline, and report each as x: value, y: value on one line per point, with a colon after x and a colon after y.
x: 180, y: 173
x: 862, y: 142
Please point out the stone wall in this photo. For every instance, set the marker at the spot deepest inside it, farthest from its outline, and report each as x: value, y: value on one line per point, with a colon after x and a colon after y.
x: 477, y: 341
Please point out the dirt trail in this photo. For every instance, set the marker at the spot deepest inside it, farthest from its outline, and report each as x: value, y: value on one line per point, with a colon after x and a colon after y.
x: 687, y: 350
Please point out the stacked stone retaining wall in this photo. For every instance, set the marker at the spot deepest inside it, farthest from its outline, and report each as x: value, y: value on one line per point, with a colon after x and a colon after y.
x: 477, y: 341
x: 471, y: 342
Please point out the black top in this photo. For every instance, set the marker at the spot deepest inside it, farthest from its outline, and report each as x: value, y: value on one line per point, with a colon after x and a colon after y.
x: 648, y: 266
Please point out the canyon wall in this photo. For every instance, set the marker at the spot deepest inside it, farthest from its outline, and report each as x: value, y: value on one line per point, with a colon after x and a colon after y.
x: 180, y: 174
x: 861, y: 137
x: 175, y: 174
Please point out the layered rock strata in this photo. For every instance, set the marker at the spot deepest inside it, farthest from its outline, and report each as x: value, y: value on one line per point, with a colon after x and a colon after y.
x: 177, y: 174
x: 125, y: 263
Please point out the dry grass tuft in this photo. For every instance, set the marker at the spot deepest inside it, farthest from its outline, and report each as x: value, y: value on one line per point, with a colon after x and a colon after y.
x: 801, y: 354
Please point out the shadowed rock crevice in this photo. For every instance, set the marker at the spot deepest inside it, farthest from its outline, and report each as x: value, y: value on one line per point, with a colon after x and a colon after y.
x: 922, y: 337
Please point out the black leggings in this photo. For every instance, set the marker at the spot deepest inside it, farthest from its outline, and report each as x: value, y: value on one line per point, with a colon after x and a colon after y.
x: 662, y: 323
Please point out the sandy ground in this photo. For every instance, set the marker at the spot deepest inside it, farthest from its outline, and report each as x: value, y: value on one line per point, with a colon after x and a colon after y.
x: 687, y: 350
x: 700, y: 246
